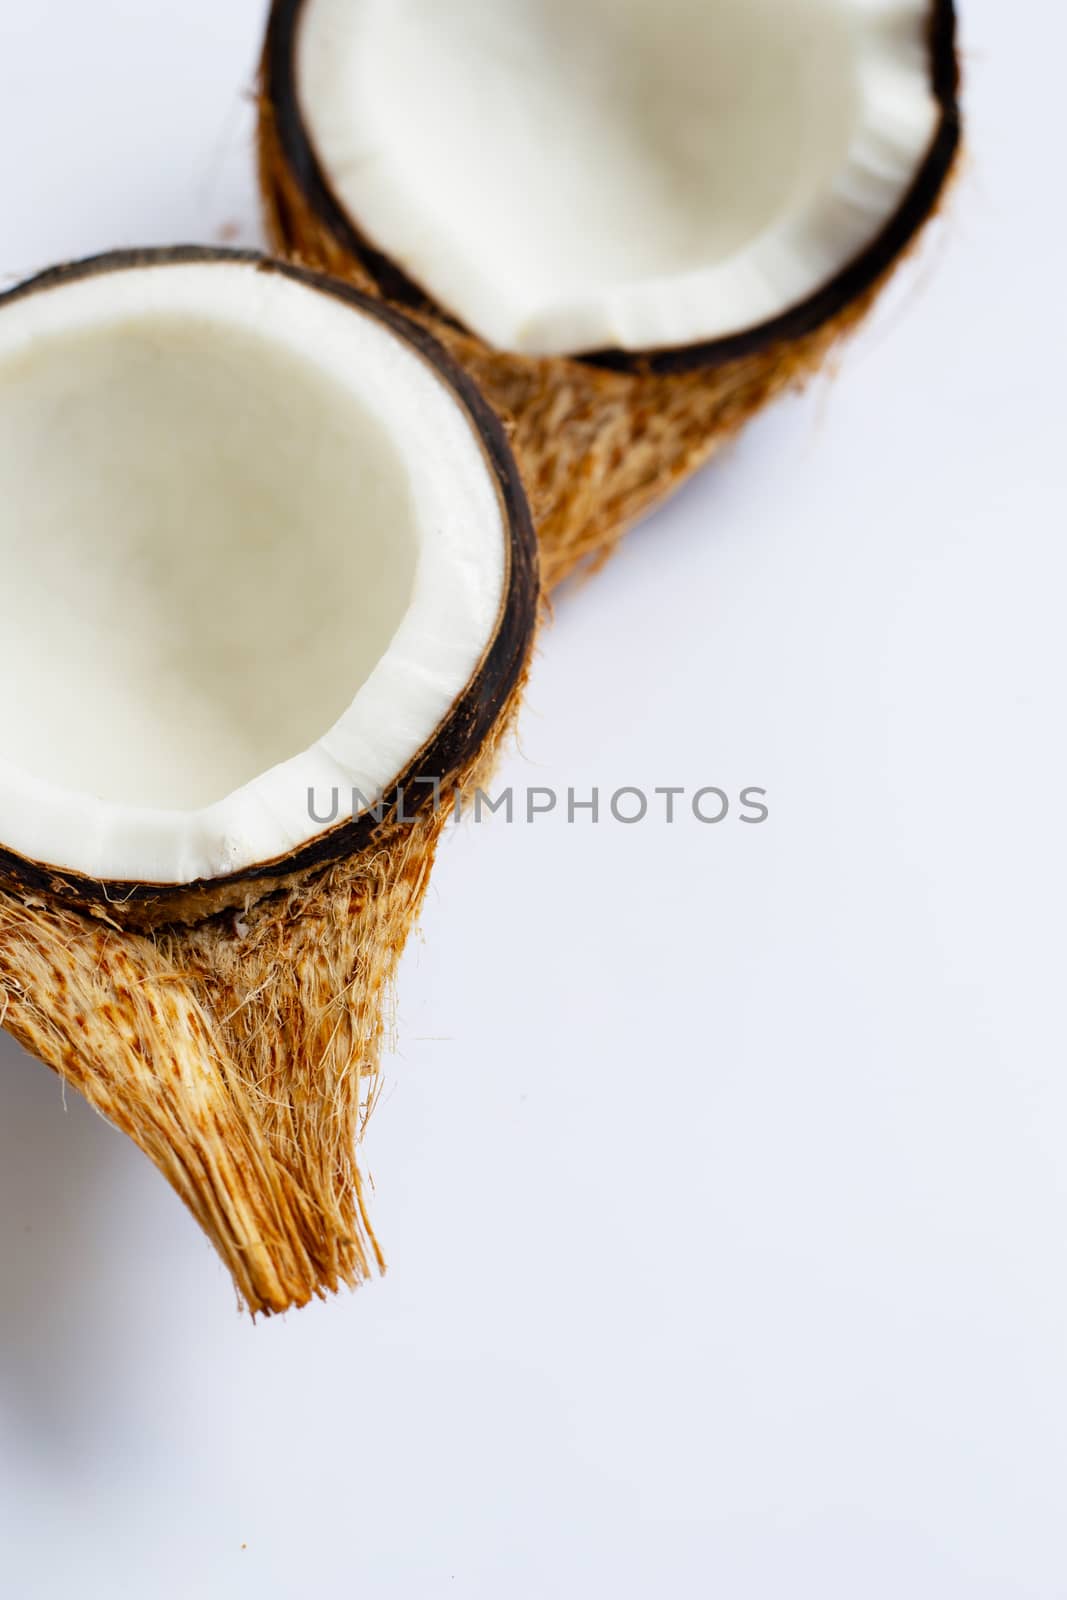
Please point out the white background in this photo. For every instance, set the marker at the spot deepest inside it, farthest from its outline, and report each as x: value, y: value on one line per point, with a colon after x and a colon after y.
x: 722, y: 1172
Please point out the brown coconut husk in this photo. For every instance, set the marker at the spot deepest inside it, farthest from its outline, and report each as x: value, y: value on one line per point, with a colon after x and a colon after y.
x: 233, y: 1028
x: 599, y: 440
x: 241, y: 1053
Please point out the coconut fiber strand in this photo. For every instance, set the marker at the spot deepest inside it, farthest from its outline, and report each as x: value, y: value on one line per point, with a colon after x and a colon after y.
x: 599, y: 441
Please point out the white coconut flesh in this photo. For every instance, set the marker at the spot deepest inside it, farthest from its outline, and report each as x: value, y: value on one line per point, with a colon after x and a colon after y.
x: 251, y: 546
x: 572, y: 175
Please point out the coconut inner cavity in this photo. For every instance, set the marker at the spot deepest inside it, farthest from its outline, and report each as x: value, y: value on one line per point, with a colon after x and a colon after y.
x: 207, y: 546
x: 572, y: 174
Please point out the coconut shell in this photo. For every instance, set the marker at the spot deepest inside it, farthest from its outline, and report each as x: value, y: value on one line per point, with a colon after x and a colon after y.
x: 470, y: 721
x: 233, y: 1028
x: 603, y: 439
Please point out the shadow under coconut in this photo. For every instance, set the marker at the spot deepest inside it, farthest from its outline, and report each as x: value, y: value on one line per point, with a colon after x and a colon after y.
x: 69, y: 1188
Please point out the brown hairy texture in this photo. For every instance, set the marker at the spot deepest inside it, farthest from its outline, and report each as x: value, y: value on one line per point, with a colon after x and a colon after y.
x: 602, y: 440
x: 242, y: 1054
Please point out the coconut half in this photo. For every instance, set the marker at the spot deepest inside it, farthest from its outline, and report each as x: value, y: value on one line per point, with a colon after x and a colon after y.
x: 651, y: 216
x: 271, y: 591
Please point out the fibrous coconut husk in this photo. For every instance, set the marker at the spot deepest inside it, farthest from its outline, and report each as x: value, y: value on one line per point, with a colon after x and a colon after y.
x: 602, y: 440
x: 233, y: 1027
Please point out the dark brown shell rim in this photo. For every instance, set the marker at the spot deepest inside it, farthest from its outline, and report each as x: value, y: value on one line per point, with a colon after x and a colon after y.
x: 472, y: 718
x: 861, y: 275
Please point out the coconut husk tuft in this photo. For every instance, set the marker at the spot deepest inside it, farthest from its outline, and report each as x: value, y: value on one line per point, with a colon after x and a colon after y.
x: 601, y: 441
x: 242, y: 1052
